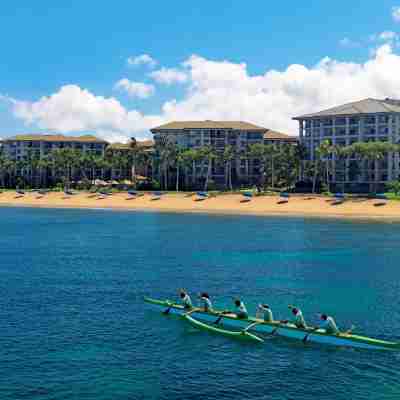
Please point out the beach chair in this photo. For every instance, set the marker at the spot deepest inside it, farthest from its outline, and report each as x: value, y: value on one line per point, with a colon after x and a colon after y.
x: 19, y: 193
x: 338, y: 198
x: 284, y: 198
x: 132, y: 194
x: 156, y: 196
x: 200, y: 196
x: 41, y: 193
x: 247, y: 197
x: 382, y: 200
x: 103, y: 194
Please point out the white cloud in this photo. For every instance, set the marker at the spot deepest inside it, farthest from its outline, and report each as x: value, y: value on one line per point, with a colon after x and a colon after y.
x: 388, y: 36
x: 346, y: 42
x: 169, y: 76
x: 219, y: 90
x: 143, y: 59
x: 396, y: 13
x: 135, y: 89
x: 73, y: 109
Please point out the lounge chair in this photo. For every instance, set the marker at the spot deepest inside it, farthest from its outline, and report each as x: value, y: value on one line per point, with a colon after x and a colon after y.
x: 19, y: 193
x: 284, y: 198
x: 338, y: 198
x: 247, y: 196
x: 382, y: 200
x: 200, y: 196
x: 156, y: 196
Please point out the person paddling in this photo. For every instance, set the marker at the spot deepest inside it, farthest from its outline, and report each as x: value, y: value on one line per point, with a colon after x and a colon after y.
x: 329, y: 324
x: 185, y: 299
x: 265, y: 309
x: 207, y: 305
x: 241, y: 310
x: 298, y: 318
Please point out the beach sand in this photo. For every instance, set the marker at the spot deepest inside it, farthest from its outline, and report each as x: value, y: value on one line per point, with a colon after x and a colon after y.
x: 309, y: 205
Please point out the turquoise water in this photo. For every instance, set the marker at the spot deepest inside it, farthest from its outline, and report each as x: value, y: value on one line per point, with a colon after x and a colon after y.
x: 73, y: 324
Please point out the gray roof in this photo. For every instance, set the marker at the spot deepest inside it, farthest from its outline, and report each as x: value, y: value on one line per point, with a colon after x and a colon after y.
x: 234, y: 125
x: 366, y: 106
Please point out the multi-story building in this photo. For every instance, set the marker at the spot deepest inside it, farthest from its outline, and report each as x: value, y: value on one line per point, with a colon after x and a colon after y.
x: 279, y: 138
x: 24, y: 147
x: 218, y: 135
x: 19, y: 147
x: 143, y: 169
x: 362, y: 121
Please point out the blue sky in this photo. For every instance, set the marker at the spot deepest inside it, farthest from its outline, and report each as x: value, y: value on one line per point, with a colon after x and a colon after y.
x: 87, y: 44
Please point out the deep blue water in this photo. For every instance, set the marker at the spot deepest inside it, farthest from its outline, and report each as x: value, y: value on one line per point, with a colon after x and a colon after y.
x: 73, y: 324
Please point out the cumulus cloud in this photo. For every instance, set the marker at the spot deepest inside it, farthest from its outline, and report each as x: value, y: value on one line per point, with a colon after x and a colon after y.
x: 388, y: 36
x: 135, y: 89
x: 346, y: 42
x: 73, y: 109
x: 224, y: 90
x: 168, y: 76
x: 143, y: 59
x: 396, y: 13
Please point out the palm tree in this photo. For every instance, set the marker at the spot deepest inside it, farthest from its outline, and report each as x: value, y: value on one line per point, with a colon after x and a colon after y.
x: 208, y: 153
x: 227, y: 157
x: 324, y: 152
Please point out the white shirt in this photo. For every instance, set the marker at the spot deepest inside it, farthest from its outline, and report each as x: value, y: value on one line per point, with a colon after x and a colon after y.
x: 267, y: 313
x: 207, y: 303
x: 187, y: 302
x: 242, y: 308
x: 299, y: 319
x: 330, y: 325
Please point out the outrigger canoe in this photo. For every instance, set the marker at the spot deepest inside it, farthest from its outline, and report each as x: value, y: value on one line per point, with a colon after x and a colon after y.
x: 243, y: 334
x: 288, y: 330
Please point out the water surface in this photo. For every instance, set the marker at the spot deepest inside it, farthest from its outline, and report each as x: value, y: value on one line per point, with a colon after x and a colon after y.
x: 74, y: 325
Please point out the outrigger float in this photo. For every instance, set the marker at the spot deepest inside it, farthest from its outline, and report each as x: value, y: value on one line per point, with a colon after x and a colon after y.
x: 218, y: 321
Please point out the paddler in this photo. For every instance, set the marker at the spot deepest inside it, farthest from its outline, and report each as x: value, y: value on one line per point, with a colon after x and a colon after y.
x: 241, y: 310
x: 298, y: 317
x: 185, y: 299
x: 329, y: 324
x: 207, y: 305
x: 265, y: 309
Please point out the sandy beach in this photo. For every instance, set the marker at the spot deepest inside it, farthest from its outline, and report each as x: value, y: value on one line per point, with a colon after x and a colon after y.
x: 226, y: 203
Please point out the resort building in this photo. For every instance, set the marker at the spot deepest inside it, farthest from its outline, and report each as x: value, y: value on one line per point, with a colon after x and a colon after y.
x: 144, y: 165
x: 218, y: 135
x: 362, y: 121
x: 279, y: 138
x: 21, y: 146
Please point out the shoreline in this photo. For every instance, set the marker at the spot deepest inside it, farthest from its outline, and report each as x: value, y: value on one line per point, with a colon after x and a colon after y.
x: 224, y: 204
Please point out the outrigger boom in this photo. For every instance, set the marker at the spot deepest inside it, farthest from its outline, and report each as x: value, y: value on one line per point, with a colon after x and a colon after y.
x: 209, y: 320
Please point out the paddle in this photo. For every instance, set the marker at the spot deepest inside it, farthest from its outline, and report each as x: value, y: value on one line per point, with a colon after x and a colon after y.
x: 168, y: 309
x: 308, y: 334
x: 217, y: 321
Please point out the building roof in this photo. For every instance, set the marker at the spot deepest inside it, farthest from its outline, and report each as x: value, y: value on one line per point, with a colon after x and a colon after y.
x: 234, y: 125
x: 125, y: 146
x: 55, y: 138
x: 274, y: 135
x: 366, y: 106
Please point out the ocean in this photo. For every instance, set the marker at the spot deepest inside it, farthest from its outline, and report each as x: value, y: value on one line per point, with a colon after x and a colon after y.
x: 74, y: 325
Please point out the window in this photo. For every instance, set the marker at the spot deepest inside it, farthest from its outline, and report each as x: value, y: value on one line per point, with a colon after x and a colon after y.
x: 340, y: 121
x: 354, y: 120
x: 383, y: 119
x: 340, y: 131
x: 369, y: 120
x: 316, y: 123
x: 353, y: 131
x: 327, y: 122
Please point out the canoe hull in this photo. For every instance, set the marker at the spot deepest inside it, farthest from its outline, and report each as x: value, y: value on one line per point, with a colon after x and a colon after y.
x: 285, y: 330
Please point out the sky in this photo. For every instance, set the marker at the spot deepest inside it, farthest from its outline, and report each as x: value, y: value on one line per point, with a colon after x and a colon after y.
x: 117, y: 69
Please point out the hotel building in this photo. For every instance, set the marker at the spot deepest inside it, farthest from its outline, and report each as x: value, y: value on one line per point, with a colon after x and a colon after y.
x: 362, y: 121
x: 19, y: 147
x: 217, y: 134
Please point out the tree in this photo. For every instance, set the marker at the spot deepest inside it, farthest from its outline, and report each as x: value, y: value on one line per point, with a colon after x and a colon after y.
x: 208, y: 153
x: 227, y: 157
x: 324, y: 152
